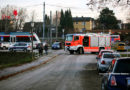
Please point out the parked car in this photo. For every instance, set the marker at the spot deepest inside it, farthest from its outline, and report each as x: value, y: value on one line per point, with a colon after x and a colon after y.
x: 4, y: 45
x: 118, y: 76
x: 105, y: 61
x: 121, y: 47
x: 20, y: 47
x: 57, y: 45
x: 103, y: 51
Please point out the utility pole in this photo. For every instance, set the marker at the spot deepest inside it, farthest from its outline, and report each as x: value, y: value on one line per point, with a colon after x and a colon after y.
x: 51, y: 27
x: 56, y: 26
x: 43, y: 20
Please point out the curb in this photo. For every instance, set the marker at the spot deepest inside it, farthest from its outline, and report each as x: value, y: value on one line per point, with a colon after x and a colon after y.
x: 27, y: 69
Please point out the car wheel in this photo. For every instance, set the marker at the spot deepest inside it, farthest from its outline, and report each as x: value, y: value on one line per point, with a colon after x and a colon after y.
x: 28, y: 50
x: 102, y: 86
x: 99, y: 71
x: 71, y: 52
x: 25, y: 50
x: 11, y: 50
x: 4, y: 48
x: 80, y: 51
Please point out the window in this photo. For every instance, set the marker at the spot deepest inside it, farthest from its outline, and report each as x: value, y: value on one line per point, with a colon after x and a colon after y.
x: 122, y: 66
x: 108, y: 56
x: 86, y: 41
x: 83, y: 29
x: 76, y: 38
x: 6, y: 39
x: 69, y: 37
x: 83, y: 23
x: 34, y: 39
x: 23, y: 39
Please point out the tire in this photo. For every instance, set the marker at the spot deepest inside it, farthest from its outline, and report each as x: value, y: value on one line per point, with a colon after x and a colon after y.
x: 11, y: 50
x: 80, y: 51
x: 25, y: 50
x: 71, y: 52
x: 102, y: 86
x: 4, y: 48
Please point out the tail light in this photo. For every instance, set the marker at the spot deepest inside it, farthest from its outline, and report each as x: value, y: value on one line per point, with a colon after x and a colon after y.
x: 113, y: 62
x: 100, y: 56
x: 103, y: 62
x: 113, y: 81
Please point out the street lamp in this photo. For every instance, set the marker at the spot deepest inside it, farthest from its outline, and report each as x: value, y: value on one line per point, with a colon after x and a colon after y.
x: 32, y: 25
x: 63, y: 30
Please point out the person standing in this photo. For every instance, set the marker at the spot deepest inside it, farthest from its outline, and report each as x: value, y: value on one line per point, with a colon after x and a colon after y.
x: 46, y: 48
x: 40, y: 48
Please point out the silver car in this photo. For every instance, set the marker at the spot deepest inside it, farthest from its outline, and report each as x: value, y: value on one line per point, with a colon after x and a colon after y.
x: 105, y: 61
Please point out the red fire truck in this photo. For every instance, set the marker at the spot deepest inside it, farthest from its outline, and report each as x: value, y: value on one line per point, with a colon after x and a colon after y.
x: 90, y: 42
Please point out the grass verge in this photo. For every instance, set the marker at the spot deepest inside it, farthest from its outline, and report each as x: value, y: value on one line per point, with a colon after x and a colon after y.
x: 8, y: 59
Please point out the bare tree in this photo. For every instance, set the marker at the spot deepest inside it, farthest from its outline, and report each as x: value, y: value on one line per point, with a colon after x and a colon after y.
x: 123, y: 5
x: 103, y: 3
x: 58, y: 18
x: 16, y: 22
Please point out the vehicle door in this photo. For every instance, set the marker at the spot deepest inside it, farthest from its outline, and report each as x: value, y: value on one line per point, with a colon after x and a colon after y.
x: 76, y: 40
x: 12, y: 39
x: 86, y: 43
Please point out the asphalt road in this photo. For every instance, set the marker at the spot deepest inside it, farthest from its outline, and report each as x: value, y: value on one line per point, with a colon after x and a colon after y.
x: 65, y: 72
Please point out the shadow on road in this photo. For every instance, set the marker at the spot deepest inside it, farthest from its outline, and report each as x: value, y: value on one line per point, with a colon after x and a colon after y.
x: 90, y: 78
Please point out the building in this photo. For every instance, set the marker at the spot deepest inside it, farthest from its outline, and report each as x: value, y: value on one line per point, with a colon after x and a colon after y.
x: 82, y: 24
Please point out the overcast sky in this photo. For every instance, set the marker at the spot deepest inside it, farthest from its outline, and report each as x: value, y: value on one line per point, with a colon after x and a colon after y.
x: 78, y: 7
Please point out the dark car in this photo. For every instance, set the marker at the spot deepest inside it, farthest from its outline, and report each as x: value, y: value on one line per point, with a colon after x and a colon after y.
x: 118, y: 77
x: 57, y: 45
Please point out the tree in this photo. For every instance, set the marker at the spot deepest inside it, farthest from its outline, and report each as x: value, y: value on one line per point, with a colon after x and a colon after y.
x: 62, y: 19
x: 66, y: 21
x: 122, y: 5
x: 107, y: 20
x: 11, y: 21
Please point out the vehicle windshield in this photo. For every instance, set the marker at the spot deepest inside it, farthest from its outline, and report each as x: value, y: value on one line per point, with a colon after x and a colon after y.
x: 106, y: 52
x: 69, y: 37
x: 56, y: 43
x: 122, y: 66
x: 121, y: 45
x: 117, y: 55
x: 108, y: 56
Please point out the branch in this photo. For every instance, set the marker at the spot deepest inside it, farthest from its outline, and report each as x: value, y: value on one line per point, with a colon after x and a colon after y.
x: 118, y: 1
x: 128, y: 2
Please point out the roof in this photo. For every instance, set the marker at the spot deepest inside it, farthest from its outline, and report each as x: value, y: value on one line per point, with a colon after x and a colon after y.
x: 80, y: 19
x: 15, y: 33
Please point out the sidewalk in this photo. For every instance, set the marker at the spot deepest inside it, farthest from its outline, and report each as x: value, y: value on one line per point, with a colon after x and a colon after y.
x: 7, y: 72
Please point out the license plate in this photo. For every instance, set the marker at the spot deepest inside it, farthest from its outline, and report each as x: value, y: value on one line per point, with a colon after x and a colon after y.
x: 128, y: 82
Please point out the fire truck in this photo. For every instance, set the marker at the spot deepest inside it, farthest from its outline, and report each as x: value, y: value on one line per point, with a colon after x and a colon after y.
x: 90, y: 42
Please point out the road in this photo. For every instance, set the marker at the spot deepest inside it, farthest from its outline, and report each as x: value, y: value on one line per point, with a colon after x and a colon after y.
x: 65, y: 72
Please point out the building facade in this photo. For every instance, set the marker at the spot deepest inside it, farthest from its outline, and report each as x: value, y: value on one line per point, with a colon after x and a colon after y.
x: 82, y: 24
